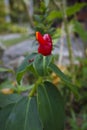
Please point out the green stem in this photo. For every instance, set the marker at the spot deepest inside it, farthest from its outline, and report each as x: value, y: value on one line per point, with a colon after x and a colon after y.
x: 67, y: 34
x: 72, y: 68
x: 35, y: 87
x: 44, y: 64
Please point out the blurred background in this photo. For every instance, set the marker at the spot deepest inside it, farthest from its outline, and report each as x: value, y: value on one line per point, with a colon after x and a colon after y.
x: 20, y: 19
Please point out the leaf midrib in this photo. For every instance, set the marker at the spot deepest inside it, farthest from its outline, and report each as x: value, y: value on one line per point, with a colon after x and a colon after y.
x: 26, y: 115
x: 12, y: 111
x: 51, y: 111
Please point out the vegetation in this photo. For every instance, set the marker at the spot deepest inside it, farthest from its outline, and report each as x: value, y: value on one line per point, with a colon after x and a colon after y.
x: 55, y: 95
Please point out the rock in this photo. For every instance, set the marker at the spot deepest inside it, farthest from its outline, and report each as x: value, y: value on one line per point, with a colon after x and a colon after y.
x: 15, y: 62
x: 9, y: 36
x: 77, y: 49
x: 15, y: 54
x: 20, y: 49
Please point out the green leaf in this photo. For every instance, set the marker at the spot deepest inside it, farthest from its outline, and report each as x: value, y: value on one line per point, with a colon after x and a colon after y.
x: 41, y: 63
x: 75, y: 8
x: 8, y: 99
x: 48, y: 60
x: 38, y: 65
x: 80, y: 30
x: 25, y: 66
x: 54, y: 14
x: 37, y: 18
x: 51, y: 107
x: 69, y: 11
x: 59, y: 73
x: 24, y: 88
x: 46, y: 2
x: 6, y: 84
x: 22, y: 115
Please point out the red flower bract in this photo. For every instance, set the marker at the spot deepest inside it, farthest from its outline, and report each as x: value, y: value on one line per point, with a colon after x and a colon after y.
x: 45, y: 44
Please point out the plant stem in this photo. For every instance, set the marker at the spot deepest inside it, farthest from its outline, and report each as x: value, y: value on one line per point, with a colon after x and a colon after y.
x: 67, y: 34
x: 61, y: 49
x: 35, y: 87
x: 44, y: 64
x: 72, y: 68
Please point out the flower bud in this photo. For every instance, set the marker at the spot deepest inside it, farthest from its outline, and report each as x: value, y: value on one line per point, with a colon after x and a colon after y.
x: 45, y: 44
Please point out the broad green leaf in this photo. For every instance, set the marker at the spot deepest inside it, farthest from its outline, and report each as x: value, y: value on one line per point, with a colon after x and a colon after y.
x: 8, y: 99
x: 51, y: 107
x: 22, y: 115
x: 24, y: 67
x: 69, y: 11
x: 41, y: 63
x: 46, y: 2
x: 59, y: 73
x: 4, y: 114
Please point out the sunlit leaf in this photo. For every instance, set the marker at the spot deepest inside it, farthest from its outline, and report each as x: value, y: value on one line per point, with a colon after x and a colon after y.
x: 75, y: 8
x: 54, y: 14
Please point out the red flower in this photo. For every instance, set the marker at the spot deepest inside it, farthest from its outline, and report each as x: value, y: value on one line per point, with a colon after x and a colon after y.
x: 45, y: 44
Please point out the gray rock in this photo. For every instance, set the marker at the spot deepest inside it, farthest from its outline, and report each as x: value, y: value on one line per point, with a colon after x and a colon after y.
x: 14, y: 55
x: 9, y: 36
x: 77, y: 47
x: 16, y: 62
x: 20, y: 49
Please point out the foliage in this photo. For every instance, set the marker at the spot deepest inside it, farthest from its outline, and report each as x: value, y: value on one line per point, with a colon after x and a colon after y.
x: 18, y: 11
x: 16, y: 7
x: 81, y: 120
x: 70, y: 11
x: 81, y: 80
x: 80, y: 30
x: 28, y: 115
x: 41, y: 105
x: 41, y: 22
x: 12, y: 28
x: 2, y: 11
x: 47, y: 97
